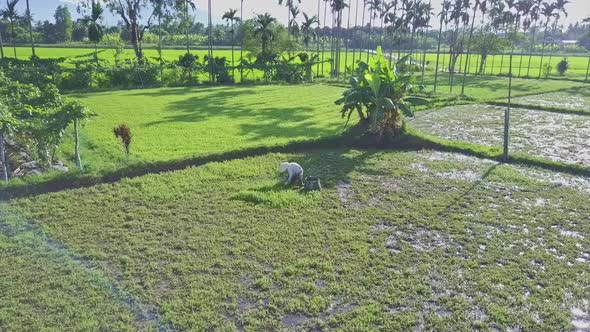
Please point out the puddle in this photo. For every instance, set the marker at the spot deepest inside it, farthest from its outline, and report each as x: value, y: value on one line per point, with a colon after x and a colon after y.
x: 347, y: 195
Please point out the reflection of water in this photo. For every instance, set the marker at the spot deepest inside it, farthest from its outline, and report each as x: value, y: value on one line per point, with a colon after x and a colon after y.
x: 557, y: 136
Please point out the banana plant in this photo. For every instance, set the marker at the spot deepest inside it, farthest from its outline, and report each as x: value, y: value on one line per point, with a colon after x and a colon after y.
x: 381, y: 96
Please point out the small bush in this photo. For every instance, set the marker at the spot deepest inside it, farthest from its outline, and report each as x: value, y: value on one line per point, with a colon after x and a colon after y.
x: 123, y: 133
x: 563, y: 66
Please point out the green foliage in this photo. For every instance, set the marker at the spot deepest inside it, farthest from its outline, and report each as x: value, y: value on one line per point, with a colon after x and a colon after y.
x: 563, y: 66
x: 63, y: 24
x: 379, y: 95
x: 547, y: 68
x: 37, y: 117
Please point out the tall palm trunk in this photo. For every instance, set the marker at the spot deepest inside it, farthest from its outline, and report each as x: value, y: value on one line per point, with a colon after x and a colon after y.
x: 363, y: 27
x: 161, y: 59
x: 531, y: 48
x: 438, y: 52
x: 543, y: 49
x: 13, y: 37
x: 317, y: 39
x: 211, y: 59
x: 356, y: 16
x: 468, y: 50
x: 1, y: 47
x: 233, y: 69
x: 324, y: 33
x: 241, y: 42
x: 77, y: 149
x: 188, y: 50
x: 347, y: 37
x: 30, y: 19
x: 587, y: 70
x: 3, y: 159
x: 370, y: 32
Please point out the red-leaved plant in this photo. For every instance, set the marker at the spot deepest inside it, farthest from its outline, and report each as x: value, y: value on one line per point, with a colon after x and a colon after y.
x: 124, y: 134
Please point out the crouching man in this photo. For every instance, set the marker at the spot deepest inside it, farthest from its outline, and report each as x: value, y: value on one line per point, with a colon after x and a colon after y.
x: 294, y: 171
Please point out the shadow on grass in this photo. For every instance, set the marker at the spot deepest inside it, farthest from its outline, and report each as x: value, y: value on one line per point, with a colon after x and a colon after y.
x: 334, y: 167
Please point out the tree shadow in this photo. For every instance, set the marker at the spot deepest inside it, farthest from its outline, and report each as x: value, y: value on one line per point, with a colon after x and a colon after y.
x: 265, y: 121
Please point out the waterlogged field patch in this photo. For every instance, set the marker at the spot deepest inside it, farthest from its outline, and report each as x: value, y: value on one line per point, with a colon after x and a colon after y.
x: 576, y: 100
x: 395, y: 241
x: 557, y: 136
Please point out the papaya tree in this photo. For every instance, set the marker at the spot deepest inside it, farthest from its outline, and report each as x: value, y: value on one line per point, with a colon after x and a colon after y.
x: 77, y: 113
x: 7, y: 124
x: 381, y: 96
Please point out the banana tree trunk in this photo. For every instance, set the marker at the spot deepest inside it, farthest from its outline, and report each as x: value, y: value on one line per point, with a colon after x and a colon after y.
x: 77, y: 138
x: 3, y: 158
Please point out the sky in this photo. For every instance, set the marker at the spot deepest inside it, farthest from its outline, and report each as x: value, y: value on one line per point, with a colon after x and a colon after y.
x: 43, y: 9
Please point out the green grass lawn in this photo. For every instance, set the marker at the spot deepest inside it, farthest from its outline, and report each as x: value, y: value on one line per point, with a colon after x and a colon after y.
x: 396, y: 241
x: 181, y: 123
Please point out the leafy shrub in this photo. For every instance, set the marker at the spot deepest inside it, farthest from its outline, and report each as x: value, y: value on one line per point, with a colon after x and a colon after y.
x: 188, y: 62
x: 220, y: 69
x: 563, y: 66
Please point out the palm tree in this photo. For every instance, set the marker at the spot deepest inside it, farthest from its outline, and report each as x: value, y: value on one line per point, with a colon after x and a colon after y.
x: 294, y: 25
x: 356, y: 16
x: 513, y: 14
x: 390, y: 18
x: 363, y: 26
x: 231, y: 18
x: 386, y: 8
x: 242, y: 41
x: 347, y: 37
x: 559, y: 8
x: 524, y: 7
x: 263, y: 24
x: 11, y: 15
x: 318, y: 40
x: 337, y: 8
x: 477, y: 3
x: 188, y: 3
x: 95, y: 31
x: 535, y: 16
x: 30, y: 21
x: 444, y: 13
x: 289, y: 5
x: 374, y: 10
x: 548, y: 13
x: 210, y: 37
x: 307, y: 30
x: 324, y: 31
x: 1, y: 47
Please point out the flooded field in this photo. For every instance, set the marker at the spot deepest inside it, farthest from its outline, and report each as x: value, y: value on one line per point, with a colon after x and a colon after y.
x: 557, y: 136
x: 576, y: 100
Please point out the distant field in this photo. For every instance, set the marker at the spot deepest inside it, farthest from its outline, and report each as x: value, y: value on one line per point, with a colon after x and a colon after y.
x: 495, y: 64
